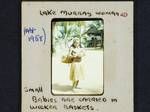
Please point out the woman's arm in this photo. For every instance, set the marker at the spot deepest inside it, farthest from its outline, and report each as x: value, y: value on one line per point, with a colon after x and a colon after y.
x: 70, y: 50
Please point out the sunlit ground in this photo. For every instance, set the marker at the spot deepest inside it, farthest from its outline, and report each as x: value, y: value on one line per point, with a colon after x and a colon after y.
x: 93, y: 82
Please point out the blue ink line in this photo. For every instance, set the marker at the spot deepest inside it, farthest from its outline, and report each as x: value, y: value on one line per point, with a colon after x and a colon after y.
x: 44, y: 35
x: 29, y: 30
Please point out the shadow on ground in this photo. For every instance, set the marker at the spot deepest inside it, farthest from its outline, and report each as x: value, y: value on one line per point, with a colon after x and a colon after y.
x: 62, y: 88
x: 67, y: 89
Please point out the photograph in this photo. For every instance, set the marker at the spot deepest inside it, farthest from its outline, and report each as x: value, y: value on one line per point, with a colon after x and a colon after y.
x: 77, y: 56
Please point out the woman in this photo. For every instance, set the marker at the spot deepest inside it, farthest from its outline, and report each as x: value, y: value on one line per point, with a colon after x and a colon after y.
x: 76, y: 68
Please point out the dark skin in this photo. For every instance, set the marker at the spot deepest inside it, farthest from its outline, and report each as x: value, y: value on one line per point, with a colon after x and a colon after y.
x: 75, y: 84
x: 76, y: 44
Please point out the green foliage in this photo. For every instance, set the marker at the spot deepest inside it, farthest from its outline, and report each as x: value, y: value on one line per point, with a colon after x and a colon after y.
x: 65, y: 31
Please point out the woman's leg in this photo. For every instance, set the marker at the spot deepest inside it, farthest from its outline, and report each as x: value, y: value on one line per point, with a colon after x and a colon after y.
x: 73, y: 84
x: 77, y: 82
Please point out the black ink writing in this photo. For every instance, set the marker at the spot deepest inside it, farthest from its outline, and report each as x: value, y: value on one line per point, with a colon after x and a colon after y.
x: 75, y: 13
x: 68, y: 99
x: 93, y: 99
x: 33, y: 90
x: 78, y: 107
x: 51, y: 12
x: 43, y: 99
x: 107, y: 13
x: 43, y: 107
x: 114, y: 100
x: 47, y: 12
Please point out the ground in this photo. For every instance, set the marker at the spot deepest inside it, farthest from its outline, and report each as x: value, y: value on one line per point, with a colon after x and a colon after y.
x: 93, y: 82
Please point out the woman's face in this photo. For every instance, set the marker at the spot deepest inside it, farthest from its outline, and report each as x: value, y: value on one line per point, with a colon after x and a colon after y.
x: 76, y: 43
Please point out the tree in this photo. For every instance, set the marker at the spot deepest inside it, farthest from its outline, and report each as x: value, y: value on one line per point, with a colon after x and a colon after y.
x: 65, y: 31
